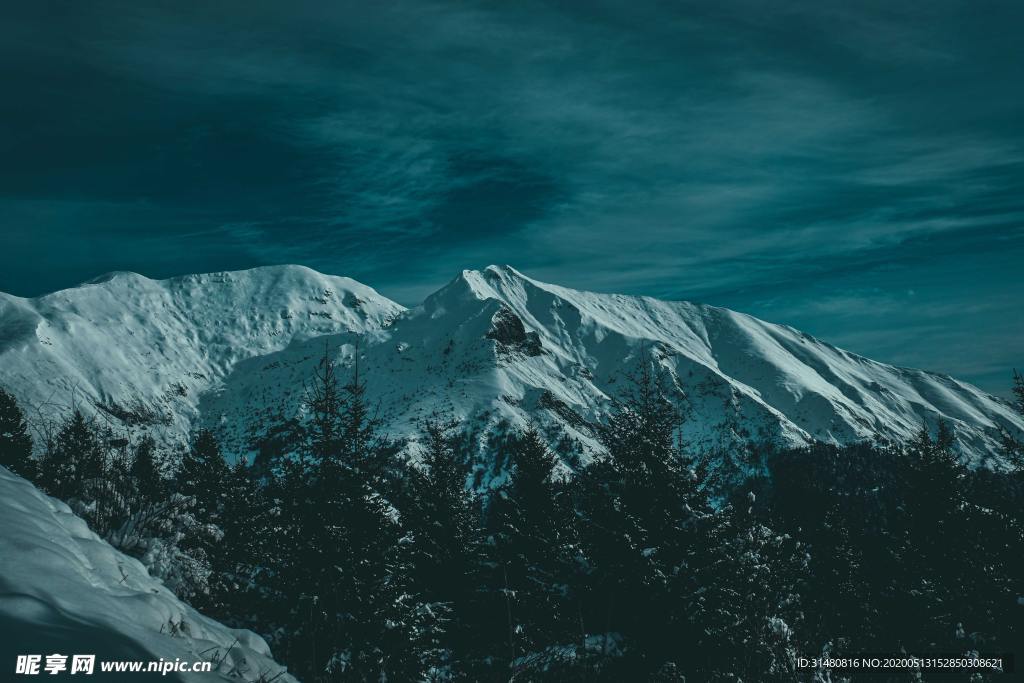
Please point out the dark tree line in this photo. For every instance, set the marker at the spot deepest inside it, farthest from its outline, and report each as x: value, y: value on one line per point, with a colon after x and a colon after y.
x: 909, y: 550
x: 359, y: 566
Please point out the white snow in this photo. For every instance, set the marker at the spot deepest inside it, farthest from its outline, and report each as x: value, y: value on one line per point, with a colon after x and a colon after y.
x: 736, y: 377
x: 65, y: 590
x: 243, y: 343
x: 153, y: 348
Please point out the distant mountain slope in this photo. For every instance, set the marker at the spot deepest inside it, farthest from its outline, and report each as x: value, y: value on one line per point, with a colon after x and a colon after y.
x: 141, y: 352
x: 65, y: 590
x: 496, y: 346
x: 232, y: 350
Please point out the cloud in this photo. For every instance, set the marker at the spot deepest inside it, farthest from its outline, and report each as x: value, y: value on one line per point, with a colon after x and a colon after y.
x: 741, y: 153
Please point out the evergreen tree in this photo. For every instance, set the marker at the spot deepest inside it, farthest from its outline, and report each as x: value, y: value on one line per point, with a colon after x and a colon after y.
x: 15, y: 442
x: 286, y: 563
x: 238, y: 561
x: 324, y: 402
x: 533, y: 561
x: 203, y: 475
x: 1013, y: 446
x: 939, y: 538
x: 362, y: 447
x: 76, y: 456
x: 902, y: 555
x: 356, y: 616
x: 675, y: 589
x: 145, y: 471
x: 194, y: 533
x: 647, y: 528
x: 443, y: 518
x: 751, y: 607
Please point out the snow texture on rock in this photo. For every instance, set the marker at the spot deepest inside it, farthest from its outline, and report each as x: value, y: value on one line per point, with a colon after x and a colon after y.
x: 496, y: 347
x: 231, y: 351
x: 141, y: 353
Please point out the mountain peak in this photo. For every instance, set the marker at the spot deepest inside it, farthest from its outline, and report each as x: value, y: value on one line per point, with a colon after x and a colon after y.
x: 491, y: 342
x: 494, y: 281
x: 114, y: 275
x: 283, y: 273
x: 146, y: 351
x: 504, y: 271
x: 469, y: 285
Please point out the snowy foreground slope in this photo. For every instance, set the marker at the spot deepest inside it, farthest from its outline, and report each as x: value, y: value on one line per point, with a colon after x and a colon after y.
x: 64, y: 590
x: 232, y: 350
x: 495, y: 346
x: 141, y: 352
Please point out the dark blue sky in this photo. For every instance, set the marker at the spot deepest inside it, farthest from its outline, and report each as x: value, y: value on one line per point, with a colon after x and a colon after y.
x: 855, y: 169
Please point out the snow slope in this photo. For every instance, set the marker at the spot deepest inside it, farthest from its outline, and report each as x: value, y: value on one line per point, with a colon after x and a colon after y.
x: 495, y: 346
x: 141, y: 352
x: 64, y: 590
x: 232, y: 350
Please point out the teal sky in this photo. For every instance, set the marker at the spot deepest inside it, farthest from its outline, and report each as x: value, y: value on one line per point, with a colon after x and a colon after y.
x: 854, y: 169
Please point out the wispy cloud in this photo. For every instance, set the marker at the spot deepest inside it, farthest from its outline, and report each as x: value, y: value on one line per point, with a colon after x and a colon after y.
x: 804, y: 161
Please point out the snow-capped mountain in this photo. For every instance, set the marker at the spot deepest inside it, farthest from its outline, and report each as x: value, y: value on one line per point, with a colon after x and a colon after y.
x: 232, y: 351
x: 495, y: 346
x: 143, y: 352
x: 64, y: 590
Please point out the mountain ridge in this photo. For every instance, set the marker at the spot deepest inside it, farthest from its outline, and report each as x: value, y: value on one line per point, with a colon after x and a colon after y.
x: 496, y: 347
x: 141, y: 350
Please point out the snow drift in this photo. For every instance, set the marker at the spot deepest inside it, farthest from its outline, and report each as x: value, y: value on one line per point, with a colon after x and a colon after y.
x: 65, y: 590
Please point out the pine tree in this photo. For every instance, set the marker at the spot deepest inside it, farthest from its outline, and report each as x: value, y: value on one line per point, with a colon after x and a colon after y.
x: 1013, y: 446
x: 935, y: 477
x: 356, y: 616
x: 362, y: 447
x: 287, y: 559
x: 203, y: 475
x: 15, y: 442
x: 239, y: 560
x: 535, y: 548
x: 647, y: 527
x: 750, y: 608
x: 674, y: 588
x: 443, y: 518
x: 940, y: 537
x: 76, y: 456
x: 145, y: 471
x: 193, y: 534
x: 324, y: 403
